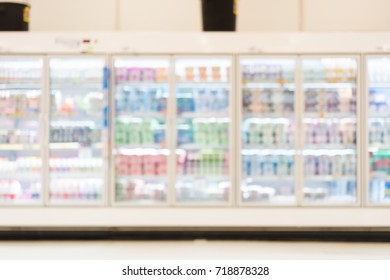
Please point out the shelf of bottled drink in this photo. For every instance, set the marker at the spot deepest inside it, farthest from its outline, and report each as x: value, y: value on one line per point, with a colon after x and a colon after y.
x: 187, y: 130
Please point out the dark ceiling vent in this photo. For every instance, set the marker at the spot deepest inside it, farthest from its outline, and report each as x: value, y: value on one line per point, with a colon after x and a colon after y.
x: 219, y: 15
x: 14, y: 16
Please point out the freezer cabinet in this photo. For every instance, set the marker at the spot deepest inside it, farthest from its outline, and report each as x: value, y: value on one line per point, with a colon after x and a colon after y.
x: 267, y: 125
x: 141, y: 150
x: 78, y: 123
x: 21, y: 130
x: 203, y: 136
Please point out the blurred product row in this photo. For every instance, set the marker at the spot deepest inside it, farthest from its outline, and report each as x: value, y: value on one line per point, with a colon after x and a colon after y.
x: 136, y: 134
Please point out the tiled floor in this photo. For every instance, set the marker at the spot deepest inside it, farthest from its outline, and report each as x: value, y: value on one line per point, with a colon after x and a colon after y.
x: 198, y: 249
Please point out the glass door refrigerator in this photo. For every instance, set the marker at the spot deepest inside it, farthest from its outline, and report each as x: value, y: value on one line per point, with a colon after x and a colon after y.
x: 330, y: 146
x: 267, y: 141
x: 377, y: 106
x: 21, y: 84
x: 203, y: 109
x: 140, y: 151
x: 77, y: 125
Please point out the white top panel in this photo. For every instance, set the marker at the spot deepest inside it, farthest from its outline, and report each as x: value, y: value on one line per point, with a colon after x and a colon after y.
x: 194, y: 43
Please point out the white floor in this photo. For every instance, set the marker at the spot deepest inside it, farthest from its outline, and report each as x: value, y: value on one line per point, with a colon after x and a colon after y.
x: 198, y: 249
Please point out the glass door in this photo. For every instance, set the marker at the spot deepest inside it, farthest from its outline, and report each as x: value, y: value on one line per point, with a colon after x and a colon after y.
x: 268, y: 146
x: 140, y: 155
x: 78, y: 105
x: 378, y: 75
x: 203, y: 126
x: 330, y: 130
x: 21, y: 86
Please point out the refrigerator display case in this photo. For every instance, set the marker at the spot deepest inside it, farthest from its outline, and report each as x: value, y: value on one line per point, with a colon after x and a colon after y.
x: 215, y: 130
x: 378, y: 105
x: 267, y: 140
x: 77, y: 130
x: 141, y: 152
x: 21, y: 84
x: 330, y: 102
x: 203, y: 108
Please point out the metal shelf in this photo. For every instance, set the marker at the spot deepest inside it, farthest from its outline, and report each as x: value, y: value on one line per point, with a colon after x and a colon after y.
x: 268, y: 85
x: 318, y: 115
x: 266, y: 147
x: 20, y: 86
x: 74, y: 145
x: 202, y: 146
x: 143, y: 115
x: 209, y: 177
x: 270, y: 116
x: 328, y: 84
x: 379, y: 85
x: 194, y: 115
x: 329, y: 178
x: 20, y: 175
x: 143, y: 177
x: 76, y: 86
x: 325, y: 146
x: 74, y: 175
x: 140, y: 146
x: 269, y: 177
x: 19, y: 147
x: 143, y: 84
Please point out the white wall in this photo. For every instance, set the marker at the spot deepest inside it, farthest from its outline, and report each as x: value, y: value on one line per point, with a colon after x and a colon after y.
x: 72, y: 15
x: 347, y: 15
x: 268, y: 15
x: 184, y: 15
x: 160, y: 15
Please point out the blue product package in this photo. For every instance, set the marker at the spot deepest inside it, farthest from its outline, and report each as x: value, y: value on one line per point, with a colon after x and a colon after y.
x: 275, y: 165
x: 106, y: 78
x: 351, y: 187
x: 387, y: 189
x: 118, y: 105
x: 374, y: 190
x: 132, y: 101
x: 187, y: 104
x: 151, y: 100
x: 159, y: 136
x: 248, y: 165
x: 334, y: 187
x: 179, y: 104
x: 191, y: 103
x: 255, y: 165
x: 140, y: 100
x: 190, y: 134
x: 261, y: 163
x: 106, y: 117
x: 163, y: 104
x: 268, y: 165
x: 181, y: 136
x: 243, y: 165
x: 199, y: 101
x: 155, y: 96
x: 316, y: 166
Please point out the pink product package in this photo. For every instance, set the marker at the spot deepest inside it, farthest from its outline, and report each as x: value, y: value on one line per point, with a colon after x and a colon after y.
x: 148, y: 164
x: 226, y: 164
x: 134, y: 74
x: 181, y: 161
x: 136, y: 165
x: 8, y: 105
x: 148, y: 74
x: 121, y: 75
x: 122, y: 165
x: 161, y: 164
